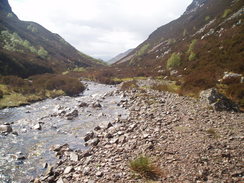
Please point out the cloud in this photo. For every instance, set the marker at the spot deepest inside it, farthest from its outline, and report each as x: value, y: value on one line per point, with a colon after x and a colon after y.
x: 101, y: 29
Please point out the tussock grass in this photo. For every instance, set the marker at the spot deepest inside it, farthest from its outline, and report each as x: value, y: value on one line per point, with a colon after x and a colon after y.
x: 145, y: 168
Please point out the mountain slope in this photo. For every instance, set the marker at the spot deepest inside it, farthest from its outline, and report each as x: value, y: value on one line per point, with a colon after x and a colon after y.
x: 27, y: 48
x: 119, y: 56
x: 196, y: 50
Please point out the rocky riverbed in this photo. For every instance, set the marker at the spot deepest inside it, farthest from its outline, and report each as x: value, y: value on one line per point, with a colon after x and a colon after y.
x: 28, y: 134
x: 186, y: 140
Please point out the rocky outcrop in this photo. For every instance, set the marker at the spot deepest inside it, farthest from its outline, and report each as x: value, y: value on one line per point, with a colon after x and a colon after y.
x: 218, y: 101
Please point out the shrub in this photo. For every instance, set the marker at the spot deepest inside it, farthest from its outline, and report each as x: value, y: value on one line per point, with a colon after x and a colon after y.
x: 128, y: 85
x: 71, y: 86
x: 174, y: 60
x: 226, y: 13
x: 207, y: 18
x: 192, y: 56
x: 142, y: 49
x: 42, y: 52
x: 192, y: 46
x: 144, y: 167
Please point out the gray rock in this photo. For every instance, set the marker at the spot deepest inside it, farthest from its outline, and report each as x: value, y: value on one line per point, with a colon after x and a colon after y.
x: 5, y: 129
x: 218, y: 101
x: 68, y: 169
x: 89, y: 136
x: 60, y: 180
x: 86, y: 171
x: 96, y: 105
x: 83, y: 104
x: 37, y: 127
x: 99, y: 174
x: 71, y: 115
x: 73, y: 156
x: 97, y: 128
x: 94, y: 142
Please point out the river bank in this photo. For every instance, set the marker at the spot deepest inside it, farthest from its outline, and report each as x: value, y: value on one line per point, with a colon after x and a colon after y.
x: 184, y: 139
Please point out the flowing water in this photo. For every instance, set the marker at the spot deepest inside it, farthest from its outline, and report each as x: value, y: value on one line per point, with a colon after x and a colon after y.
x: 35, y: 145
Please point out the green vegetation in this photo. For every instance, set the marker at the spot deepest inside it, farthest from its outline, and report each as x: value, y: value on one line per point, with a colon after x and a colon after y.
x: 16, y: 91
x: 10, y: 15
x: 32, y: 28
x: 42, y: 52
x: 143, y: 49
x: 13, y: 42
x: 128, y: 85
x: 190, y: 51
x: 226, y: 13
x: 128, y: 79
x: 145, y: 168
x: 192, y: 56
x: 207, y: 18
x: 79, y: 69
x: 192, y: 45
x: 169, y: 86
x: 212, y: 132
x: 173, y: 61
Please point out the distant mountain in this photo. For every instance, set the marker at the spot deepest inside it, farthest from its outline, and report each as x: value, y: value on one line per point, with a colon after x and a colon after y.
x: 27, y: 48
x: 119, y: 56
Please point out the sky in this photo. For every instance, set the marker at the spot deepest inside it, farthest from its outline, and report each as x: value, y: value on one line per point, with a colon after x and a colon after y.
x: 101, y: 28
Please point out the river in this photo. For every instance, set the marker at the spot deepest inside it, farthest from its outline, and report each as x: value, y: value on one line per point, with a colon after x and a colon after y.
x: 22, y: 155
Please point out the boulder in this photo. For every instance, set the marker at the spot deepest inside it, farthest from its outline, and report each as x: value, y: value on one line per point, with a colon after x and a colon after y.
x: 218, y: 101
x: 231, y: 77
x: 6, y: 128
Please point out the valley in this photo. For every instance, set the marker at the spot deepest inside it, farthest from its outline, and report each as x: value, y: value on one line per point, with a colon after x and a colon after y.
x: 169, y: 110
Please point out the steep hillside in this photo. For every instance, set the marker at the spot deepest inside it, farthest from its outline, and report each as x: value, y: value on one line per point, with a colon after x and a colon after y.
x: 197, y: 50
x: 27, y: 48
x: 119, y: 56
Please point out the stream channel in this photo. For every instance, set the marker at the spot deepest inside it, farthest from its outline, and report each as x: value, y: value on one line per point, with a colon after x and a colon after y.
x: 62, y: 120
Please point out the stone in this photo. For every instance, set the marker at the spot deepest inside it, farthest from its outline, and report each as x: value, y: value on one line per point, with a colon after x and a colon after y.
x: 83, y: 104
x: 89, y: 136
x: 218, y: 101
x: 73, y: 156
x: 94, y: 142
x: 37, y: 127
x: 71, y: 115
x: 97, y: 128
x: 96, y: 105
x: 99, y: 174
x: 86, y: 171
x: 5, y: 129
x: 68, y: 169
x: 109, y: 125
x: 60, y: 180
x: 49, y: 171
x: 37, y: 180
x: 45, y: 165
